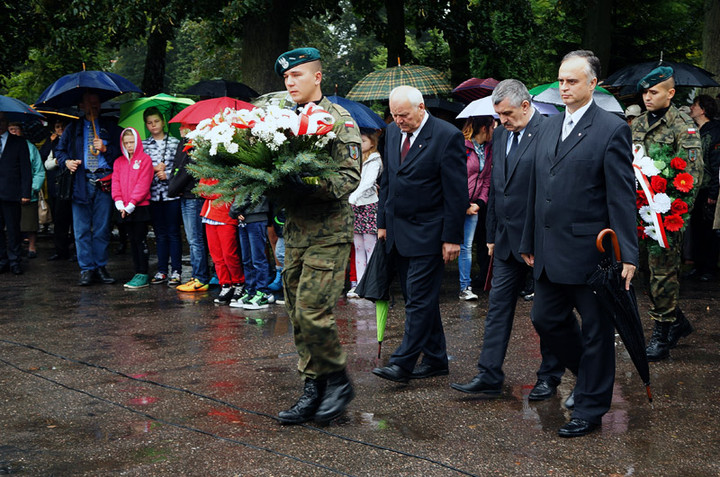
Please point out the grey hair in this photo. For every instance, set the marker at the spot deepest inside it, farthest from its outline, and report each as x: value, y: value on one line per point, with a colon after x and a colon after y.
x: 412, y: 94
x: 592, y: 63
x: 512, y: 89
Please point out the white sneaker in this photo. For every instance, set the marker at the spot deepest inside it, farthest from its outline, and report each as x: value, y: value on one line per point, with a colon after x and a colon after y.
x: 351, y: 293
x: 467, y: 294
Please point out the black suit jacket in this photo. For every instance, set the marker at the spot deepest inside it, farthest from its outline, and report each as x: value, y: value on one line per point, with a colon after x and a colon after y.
x: 507, y: 201
x: 423, y: 201
x: 579, y: 187
x: 15, y: 170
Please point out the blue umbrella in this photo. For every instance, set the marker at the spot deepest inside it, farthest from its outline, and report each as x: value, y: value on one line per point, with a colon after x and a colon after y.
x: 16, y: 110
x: 364, y: 117
x: 68, y: 90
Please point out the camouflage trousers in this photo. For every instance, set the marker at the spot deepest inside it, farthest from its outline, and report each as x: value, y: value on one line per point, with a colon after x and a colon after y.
x: 314, y: 278
x: 664, y: 281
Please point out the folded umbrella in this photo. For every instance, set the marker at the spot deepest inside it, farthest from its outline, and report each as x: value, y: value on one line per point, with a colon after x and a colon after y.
x: 621, y: 304
x: 375, y: 286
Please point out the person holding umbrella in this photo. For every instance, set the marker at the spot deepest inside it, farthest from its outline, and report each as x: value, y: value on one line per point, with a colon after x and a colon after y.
x: 88, y: 148
x: 664, y: 124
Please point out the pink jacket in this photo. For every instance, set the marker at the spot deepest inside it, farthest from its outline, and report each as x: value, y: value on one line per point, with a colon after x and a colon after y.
x: 132, y: 176
x: 478, y: 181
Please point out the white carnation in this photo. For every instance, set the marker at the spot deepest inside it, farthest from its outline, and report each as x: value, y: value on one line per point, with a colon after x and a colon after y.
x: 661, y: 203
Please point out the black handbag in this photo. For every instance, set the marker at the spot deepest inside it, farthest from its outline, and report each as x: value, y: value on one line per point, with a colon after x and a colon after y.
x: 64, y: 184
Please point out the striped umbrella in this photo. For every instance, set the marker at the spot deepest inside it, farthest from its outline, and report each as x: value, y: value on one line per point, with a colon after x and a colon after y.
x: 378, y: 84
x: 474, y: 88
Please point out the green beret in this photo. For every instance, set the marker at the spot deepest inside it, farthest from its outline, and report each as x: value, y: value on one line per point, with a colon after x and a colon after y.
x: 658, y: 75
x: 291, y: 59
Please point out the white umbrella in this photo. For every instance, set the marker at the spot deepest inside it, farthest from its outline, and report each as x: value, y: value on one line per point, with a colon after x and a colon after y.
x: 484, y: 107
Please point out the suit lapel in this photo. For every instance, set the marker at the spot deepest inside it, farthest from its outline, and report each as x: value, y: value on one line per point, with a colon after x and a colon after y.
x: 419, y: 144
x: 499, y: 154
x: 576, y: 135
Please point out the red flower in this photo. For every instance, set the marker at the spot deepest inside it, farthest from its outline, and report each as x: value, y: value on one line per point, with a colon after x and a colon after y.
x: 658, y: 184
x: 673, y: 223
x: 641, y: 199
x: 678, y: 164
x: 683, y: 182
x: 641, y: 232
x: 679, y: 207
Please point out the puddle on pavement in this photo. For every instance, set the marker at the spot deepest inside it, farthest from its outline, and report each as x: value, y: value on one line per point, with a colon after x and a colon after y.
x: 378, y: 422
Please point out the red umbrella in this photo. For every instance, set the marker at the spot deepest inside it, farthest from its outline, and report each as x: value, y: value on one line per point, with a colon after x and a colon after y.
x: 474, y: 88
x: 208, y: 108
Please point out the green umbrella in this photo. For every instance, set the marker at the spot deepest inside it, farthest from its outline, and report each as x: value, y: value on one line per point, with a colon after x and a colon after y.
x: 378, y: 84
x: 381, y: 314
x: 131, y: 113
x: 550, y: 94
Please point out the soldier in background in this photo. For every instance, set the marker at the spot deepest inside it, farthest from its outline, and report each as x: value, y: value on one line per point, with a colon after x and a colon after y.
x: 318, y: 236
x: 664, y: 124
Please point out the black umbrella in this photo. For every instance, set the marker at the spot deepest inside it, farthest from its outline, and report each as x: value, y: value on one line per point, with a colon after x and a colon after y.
x: 621, y: 305
x: 218, y: 88
x: 685, y: 75
x: 375, y: 286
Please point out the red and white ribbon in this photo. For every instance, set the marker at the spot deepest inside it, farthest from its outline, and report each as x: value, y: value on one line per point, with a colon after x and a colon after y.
x: 656, y: 217
x: 314, y: 120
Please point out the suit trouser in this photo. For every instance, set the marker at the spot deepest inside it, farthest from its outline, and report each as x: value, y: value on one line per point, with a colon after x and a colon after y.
x: 10, y: 238
x: 508, y: 278
x: 589, y: 352
x: 420, y: 280
x: 313, y: 279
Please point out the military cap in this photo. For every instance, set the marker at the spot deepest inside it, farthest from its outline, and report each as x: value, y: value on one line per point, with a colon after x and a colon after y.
x: 292, y: 58
x: 658, y: 75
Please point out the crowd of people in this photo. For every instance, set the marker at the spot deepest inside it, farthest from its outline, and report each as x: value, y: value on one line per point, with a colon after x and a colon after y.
x: 532, y: 193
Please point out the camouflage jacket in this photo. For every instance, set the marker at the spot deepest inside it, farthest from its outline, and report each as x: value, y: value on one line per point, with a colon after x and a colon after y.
x: 325, y: 216
x: 679, y: 131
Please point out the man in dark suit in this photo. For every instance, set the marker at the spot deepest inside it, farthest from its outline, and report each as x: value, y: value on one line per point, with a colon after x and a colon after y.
x: 421, y: 213
x: 15, y: 185
x: 513, y: 152
x: 582, y: 183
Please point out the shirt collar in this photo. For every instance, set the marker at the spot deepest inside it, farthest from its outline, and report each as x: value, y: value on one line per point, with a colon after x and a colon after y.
x: 578, y: 114
x: 416, y: 132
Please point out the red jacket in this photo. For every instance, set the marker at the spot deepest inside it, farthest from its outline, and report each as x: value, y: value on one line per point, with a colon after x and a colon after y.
x: 132, y: 176
x: 214, y: 210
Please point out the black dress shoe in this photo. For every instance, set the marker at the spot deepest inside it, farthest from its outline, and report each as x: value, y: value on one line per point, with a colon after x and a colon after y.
x: 5, y: 267
x: 304, y: 409
x: 16, y: 269
x: 338, y: 394
x: 543, y: 390
x: 477, y: 386
x: 577, y: 427
x: 392, y: 372
x: 103, y: 276
x: 86, y: 278
x: 424, y: 370
x: 570, y: 401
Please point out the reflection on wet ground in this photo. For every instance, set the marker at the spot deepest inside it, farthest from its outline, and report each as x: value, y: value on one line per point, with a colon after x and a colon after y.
x: 99, y: 381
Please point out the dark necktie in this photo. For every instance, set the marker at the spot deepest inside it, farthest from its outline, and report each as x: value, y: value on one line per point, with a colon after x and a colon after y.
x: 513, y: 147
x: 405, y: 147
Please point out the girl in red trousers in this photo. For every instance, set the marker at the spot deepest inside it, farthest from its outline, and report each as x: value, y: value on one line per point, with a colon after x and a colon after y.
x: 131, y: 179
x: 222, y: 238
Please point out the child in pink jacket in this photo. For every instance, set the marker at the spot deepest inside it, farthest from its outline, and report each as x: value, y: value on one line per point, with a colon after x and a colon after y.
x: 132, y: 176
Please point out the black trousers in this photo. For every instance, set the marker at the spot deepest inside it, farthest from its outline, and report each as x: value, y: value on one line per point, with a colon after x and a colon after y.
x: 61, y: 211
x: 705, y: 248
x: 137, y: 232
x: 10, y: 237
x: 420, y: 280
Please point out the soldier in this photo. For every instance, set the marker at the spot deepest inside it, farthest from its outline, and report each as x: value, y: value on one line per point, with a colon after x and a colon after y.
x: 318, y: 235
x: 664, y: 124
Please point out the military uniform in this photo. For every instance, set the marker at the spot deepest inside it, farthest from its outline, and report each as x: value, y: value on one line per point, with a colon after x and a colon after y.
x: 318, y: 236
x: 677, y: 130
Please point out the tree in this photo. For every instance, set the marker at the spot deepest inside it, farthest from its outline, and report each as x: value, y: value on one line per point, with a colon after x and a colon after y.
x: 711, y: 41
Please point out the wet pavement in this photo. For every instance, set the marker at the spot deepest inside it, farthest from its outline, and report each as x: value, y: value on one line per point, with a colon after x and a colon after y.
x: 103, y: 381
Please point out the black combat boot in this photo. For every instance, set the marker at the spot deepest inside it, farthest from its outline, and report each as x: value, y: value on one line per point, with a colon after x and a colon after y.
x: 659, y: 348
x: 304, y: 409
x: 338, y: 394
x: 679, y: 329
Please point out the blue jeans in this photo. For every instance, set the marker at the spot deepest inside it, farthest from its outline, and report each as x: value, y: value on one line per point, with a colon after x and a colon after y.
x: 465, y: 258
x: 253, y: 238
x: 91, y: 222
x: 280, y: 251
x: 166, y: 224
x: 194, y: 231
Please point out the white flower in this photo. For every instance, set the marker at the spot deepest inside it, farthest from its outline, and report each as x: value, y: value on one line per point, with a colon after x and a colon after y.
x: 646, y: 213
x: 647, y: 166
x: 232, y: 148
x: 661, y: 203
x: 652, y: 232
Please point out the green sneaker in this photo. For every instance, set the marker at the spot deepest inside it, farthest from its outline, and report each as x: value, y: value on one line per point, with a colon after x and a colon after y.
x: 259, y: 301
x: 138, y: 281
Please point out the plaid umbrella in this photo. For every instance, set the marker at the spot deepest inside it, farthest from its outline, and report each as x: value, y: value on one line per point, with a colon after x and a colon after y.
x: 474, y: 88
x: 378, y: 84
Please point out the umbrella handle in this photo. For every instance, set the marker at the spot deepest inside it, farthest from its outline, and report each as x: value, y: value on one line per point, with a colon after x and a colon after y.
x: 93, y: 151
x: 616, y: 245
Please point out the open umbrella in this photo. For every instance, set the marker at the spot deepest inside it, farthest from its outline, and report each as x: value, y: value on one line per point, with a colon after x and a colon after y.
x: 685, y: 75
x: 550, y: 94
x: 216, y: 88
x: 474, y: 88
x: 484, y: 107
x: 131, y: 113
x: 363, y: 116
x: 208, y: 108
x: 379, y: 84
x: 621, y: 305
x: 68, y: 90
x: 375, y: 286
x: 16, y: 110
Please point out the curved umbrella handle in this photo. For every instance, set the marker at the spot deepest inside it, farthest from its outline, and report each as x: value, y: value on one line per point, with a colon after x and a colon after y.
x: 616, y: 245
